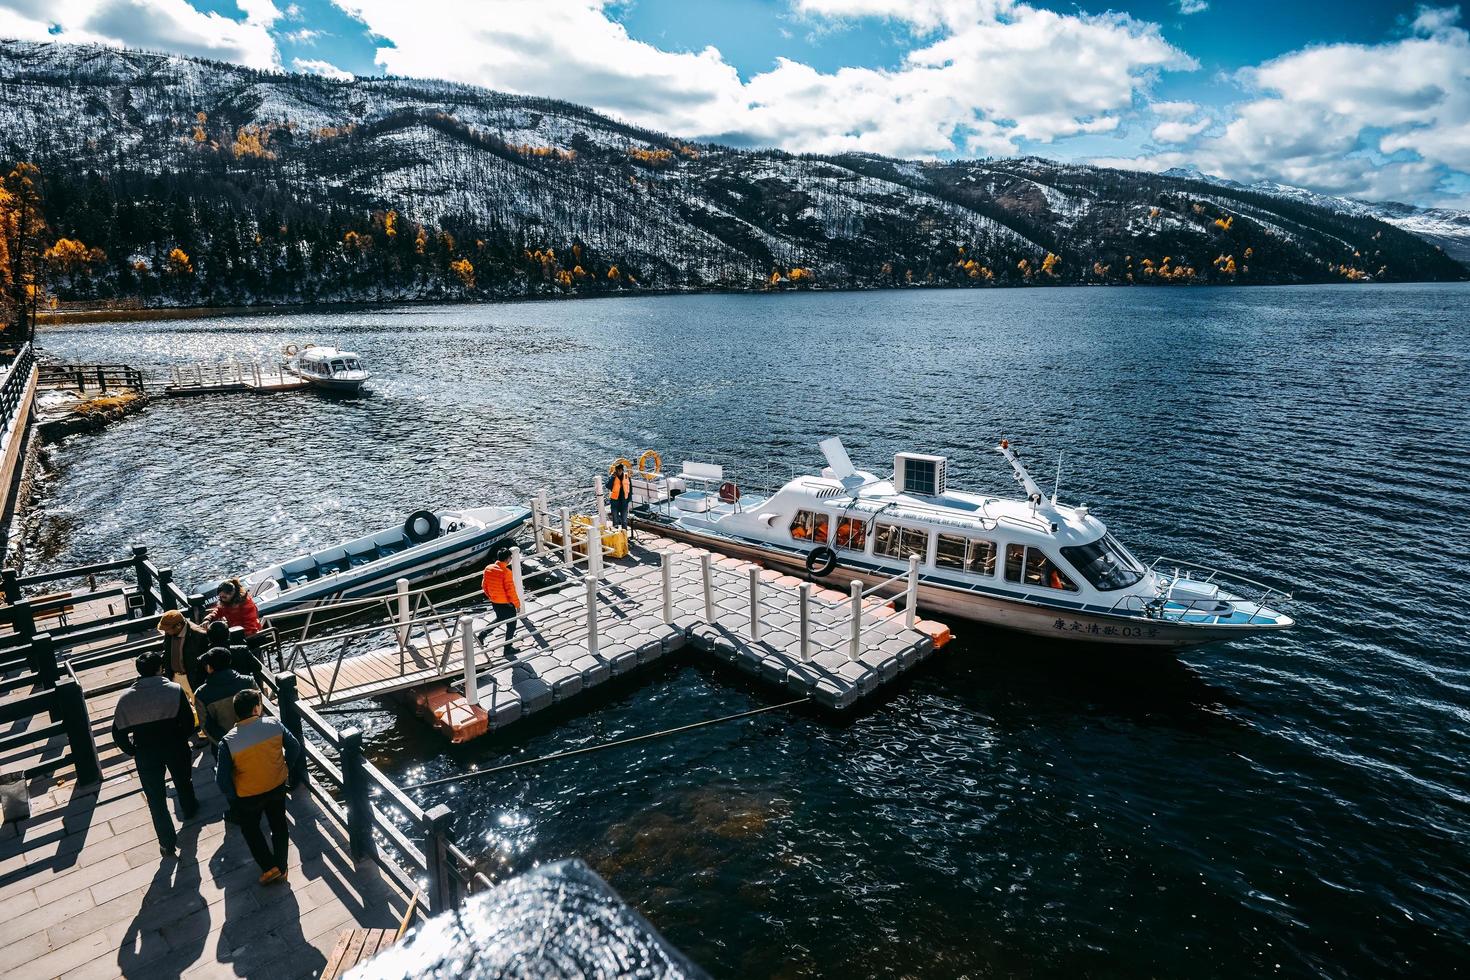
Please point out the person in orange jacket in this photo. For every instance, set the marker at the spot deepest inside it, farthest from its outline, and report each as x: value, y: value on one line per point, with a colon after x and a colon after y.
x: 619, y: 491
x: 499, y: 584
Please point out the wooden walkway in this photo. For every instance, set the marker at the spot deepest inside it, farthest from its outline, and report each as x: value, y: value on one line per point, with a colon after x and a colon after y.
x: 86, y: 894
x: 555, y: 662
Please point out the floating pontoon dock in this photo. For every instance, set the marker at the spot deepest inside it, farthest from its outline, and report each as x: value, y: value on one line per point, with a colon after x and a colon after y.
x: 602, y: 618
x: 222, y: 379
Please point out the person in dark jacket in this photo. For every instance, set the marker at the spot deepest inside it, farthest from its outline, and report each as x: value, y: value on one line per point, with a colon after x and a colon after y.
x: 152, y: 723
x: 185, y: 643
x: 257, y: 760
x: 214, y: 701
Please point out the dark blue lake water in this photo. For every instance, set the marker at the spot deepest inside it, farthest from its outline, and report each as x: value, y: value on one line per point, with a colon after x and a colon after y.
x: 1296, y: 804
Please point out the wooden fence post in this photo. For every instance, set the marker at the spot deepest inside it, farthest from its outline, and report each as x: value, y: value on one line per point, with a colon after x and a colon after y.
x: 41, y: 659
x: 72, y: 706
x: 11, y: 582
x: 442, y: 892
x: 286, y: 704
x: 165, y: 588
x: 23, y: 620
x: 145, y: 579
x: 355, y: 791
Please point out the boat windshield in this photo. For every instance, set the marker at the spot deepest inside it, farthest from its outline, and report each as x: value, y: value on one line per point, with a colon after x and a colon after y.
x: 1105, y: 563
x: 338, y: 366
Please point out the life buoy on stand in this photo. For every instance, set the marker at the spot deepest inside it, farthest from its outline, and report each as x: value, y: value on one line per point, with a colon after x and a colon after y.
x: 821, y: 561
x: 291, y: 350
x: 644, y: 469
x: 421, y: 526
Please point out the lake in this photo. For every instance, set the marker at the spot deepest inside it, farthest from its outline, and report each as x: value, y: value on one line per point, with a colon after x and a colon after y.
x: 1293, y: 804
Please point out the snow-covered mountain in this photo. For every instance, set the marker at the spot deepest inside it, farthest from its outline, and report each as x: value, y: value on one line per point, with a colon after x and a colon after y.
x: 1443, y: 227
x: 202, y: 181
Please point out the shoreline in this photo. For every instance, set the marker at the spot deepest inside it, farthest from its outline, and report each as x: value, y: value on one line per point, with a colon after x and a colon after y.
x: 63, y: 318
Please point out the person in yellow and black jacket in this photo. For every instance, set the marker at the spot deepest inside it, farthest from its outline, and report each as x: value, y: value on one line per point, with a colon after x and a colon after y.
x: 258, y: 758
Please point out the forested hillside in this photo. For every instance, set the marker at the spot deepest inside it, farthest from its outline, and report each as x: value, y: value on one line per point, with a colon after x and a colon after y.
x: 168, y: 180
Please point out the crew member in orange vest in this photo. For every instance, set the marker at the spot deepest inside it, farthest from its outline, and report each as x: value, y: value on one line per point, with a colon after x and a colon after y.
x: 619, y: 490
x: 499, y: 583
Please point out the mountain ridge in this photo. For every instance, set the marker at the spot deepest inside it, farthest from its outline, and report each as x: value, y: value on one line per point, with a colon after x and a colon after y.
x: 279, y: 187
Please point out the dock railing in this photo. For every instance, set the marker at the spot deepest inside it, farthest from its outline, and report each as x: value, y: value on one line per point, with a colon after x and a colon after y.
x: 57, y: 694
x: 97, y: 377
x: 13, y: 388
x: 228, y: 373
x: 362, y: 800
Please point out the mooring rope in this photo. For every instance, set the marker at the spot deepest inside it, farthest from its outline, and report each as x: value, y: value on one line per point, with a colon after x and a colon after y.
x: 604, y: 745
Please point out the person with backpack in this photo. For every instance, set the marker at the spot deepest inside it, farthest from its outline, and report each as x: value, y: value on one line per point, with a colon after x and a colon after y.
x: 153, y: 723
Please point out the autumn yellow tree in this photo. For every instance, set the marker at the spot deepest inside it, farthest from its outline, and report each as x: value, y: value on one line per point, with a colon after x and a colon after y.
x: 465, y: 270
x: 179, y: 263
x: 22, y: 226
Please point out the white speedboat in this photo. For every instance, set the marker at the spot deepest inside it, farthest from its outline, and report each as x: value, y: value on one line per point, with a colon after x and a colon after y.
x: 1030, y: 565
x: 428, y: 546
x: 327, y: 368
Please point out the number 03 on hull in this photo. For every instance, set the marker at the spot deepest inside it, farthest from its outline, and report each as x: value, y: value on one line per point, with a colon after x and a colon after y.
x: 1029, y: 565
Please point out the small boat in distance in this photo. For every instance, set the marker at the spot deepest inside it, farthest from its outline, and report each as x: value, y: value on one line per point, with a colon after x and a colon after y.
x: 1030, y: 565
x: 327, y: 368
x: 428, y: 546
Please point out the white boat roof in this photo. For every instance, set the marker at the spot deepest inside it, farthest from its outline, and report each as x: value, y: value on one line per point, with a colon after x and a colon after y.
x: 326, y: 353
x: 963, y: 510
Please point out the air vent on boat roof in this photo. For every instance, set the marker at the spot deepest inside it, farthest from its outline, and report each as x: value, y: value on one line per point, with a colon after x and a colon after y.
x: 918, y: 474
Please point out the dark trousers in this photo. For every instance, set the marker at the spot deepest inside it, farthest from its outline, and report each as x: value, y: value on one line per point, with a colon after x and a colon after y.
x: 271, y: 805
x: 620, y: 512
x: 151, y: 769
x: 503, y: 611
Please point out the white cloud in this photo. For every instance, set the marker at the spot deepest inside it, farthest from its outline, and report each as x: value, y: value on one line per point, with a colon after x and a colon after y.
x: 1174, y: 131
x: 325, y: 69
x: 1373, y: 121
x: 997, y: 71
x: 1173, y: 110
x: 157, y: 25
x: 1188, y: 7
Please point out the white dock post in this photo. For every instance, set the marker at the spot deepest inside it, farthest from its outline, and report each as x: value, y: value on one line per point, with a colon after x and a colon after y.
x: 666, y: 575
x: 566, y: 538
x: 805, y: 631
x: 199, y: 375
x: 471, y: 671
x: 709, y: 592
x: 911, y: 596
x: 257, y: 375
x: 755, y: 604
x: 594, y: 548
x: 601, y: 501
x: 517, y: 576
x: 592, y: 616
x: 539, y: 508
x: 855, y: 645
x: 403, y: 612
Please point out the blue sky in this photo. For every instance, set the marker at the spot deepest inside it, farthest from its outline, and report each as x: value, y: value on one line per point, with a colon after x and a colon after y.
x: 1367, y: 99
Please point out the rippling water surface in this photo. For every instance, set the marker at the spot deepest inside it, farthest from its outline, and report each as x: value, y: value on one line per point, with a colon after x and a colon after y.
x: 1294, y: 804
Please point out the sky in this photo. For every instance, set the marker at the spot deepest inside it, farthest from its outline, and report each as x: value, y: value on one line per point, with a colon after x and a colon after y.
x: 1355, y: 98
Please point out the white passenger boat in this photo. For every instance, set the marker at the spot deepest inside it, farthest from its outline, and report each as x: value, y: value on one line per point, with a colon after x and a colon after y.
x: 428, y: 546
x: 327, y: 368
x: 1030, y: 565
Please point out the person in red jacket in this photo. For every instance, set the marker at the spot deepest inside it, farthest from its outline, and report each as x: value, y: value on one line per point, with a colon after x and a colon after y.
x: 235, y: 607
x: 499, y: 583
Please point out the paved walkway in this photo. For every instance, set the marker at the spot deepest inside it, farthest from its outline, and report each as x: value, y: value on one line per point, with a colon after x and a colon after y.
x: 85, y: 893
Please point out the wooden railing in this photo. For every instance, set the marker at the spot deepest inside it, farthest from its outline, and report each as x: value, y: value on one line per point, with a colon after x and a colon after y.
x: 61, y: 697
x: 100, y: 377
x: 13, y: 390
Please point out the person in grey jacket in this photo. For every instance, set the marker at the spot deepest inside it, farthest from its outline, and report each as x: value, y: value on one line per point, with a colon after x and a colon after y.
x: 153, y: 723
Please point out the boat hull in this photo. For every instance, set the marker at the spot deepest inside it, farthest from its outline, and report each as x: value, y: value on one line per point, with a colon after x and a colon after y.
x: 437, y: 559
x: 1054, y: 623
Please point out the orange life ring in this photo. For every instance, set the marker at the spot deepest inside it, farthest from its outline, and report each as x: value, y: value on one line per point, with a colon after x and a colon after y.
x: 643, y: 469
x: 620, y: 461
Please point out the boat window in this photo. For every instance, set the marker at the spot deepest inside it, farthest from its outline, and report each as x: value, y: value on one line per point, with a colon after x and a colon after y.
x: 1041, y: 571
x: 1105, y: 563
x: 895, y: 541
x: 972, y: 555
x: 809, y: 525
x: 1015, y: 561
x: 338, y: 366
x: 852, y: 534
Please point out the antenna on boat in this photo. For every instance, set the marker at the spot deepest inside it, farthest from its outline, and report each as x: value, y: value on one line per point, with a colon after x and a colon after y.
x: 1058, y: 484
x: 1033, y: 492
